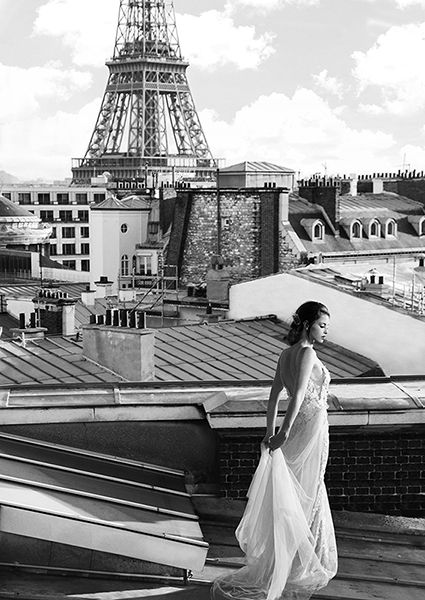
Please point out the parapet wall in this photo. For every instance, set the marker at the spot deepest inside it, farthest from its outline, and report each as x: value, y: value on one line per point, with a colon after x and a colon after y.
x: 366, y: 472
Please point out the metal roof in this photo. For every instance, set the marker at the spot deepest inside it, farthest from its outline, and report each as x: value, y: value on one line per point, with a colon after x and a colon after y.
x: 49, y: 361
x: 239, y: 350
x: 256, y: 167
x: 30, y: 289
x: 224, y: 351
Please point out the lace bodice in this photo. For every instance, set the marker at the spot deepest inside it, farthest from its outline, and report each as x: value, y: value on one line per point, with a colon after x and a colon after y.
x: 315, y: 401
x: 317, y: 389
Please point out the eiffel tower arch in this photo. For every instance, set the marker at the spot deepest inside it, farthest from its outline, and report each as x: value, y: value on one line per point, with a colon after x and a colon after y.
x: 147, y: 122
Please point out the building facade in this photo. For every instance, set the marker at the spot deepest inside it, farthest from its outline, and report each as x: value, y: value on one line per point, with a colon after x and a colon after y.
x: 67, y: 209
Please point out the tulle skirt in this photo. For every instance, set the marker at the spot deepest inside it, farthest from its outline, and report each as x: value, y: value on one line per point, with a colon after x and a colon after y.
x: 286, y: 532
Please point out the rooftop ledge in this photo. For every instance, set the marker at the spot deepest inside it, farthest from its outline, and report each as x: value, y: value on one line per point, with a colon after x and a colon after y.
x: 353, y: 403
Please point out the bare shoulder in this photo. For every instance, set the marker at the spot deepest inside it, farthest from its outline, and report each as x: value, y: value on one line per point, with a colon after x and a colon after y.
x: 307, y: 355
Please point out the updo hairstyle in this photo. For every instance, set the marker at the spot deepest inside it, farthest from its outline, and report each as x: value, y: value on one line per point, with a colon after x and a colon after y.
x: 309, y: 311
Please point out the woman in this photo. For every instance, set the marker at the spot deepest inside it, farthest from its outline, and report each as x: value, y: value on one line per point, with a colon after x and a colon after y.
x: 286, y: 531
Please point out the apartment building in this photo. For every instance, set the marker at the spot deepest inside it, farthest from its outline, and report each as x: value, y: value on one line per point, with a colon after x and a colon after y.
x: 67, y: 209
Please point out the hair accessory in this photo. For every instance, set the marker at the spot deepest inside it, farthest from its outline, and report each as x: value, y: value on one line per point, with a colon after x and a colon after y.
x: 296, y: 319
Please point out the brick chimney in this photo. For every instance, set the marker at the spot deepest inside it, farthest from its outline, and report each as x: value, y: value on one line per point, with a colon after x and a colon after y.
x: 57, y: 311
x: 124, y: 347
x: 28, y: 332
x: 323, y: 192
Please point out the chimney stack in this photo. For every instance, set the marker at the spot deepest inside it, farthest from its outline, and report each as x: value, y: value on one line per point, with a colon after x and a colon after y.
x: 103, y: 287
x: 128, y: 351
x: 88, y: 297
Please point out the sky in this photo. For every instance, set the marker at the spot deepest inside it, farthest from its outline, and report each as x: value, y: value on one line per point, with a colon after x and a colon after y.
x: 320, y: 86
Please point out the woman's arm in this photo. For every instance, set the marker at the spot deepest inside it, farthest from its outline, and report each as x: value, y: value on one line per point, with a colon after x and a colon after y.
x: 272, y: 406
x: 307, y: 358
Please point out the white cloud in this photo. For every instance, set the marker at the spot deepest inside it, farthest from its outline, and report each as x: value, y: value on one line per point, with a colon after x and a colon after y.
x: 268, y: 5
x: 23, y: 90
x: 329, y: 84
x: 209, y: 40
x: 300, y: 131
x: 43, y: 147
x: 213, y: 40
x: 371, y: 109
x: 407, y: 3
x: 87, y: 28
x: 393, y: 65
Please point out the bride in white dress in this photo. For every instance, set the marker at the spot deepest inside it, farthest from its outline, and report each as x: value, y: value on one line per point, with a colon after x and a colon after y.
x: 287, y: 532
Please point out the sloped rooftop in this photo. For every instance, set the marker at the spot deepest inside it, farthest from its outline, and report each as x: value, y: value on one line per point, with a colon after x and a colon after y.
x: 225, y: 351
x: 368, y: 205
x: 256, y: 167
x: 10, y: 209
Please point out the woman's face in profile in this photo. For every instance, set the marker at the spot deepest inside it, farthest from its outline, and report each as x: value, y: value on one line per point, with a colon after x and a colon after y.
x: 319, y: 329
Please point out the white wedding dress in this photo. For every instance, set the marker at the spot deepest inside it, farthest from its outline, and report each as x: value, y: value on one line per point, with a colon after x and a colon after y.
x: 287, y: 532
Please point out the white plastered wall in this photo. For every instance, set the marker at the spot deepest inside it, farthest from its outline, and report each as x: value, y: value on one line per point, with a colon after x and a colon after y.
x: 394, y: 340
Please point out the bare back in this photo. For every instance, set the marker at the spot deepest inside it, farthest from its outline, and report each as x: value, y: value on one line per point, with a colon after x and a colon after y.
x: 289, y: 367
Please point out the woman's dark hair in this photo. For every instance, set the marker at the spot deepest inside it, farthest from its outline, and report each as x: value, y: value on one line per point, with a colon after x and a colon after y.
x: 310, y: 312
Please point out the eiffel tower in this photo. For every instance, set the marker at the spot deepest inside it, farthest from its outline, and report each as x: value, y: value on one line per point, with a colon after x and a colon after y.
x: 147, y: 105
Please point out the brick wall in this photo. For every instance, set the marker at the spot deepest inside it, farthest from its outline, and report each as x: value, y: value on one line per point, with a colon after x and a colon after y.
x: 369, y: 472
x: 249, y: 234
x: 411, y: 188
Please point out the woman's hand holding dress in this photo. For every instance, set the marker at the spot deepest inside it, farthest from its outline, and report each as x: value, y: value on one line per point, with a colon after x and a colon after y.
x: 276, y: 441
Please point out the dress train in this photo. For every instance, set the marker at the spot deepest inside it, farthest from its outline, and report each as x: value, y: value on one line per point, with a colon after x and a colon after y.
x: 286, y: 531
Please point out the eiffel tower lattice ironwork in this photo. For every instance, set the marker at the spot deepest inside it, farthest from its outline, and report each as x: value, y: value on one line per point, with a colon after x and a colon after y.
x: 147, y: 105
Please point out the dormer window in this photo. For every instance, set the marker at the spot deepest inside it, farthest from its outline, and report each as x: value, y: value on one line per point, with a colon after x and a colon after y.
x: 422, y: 227
x: 318, y: 231
x: 356, y: 230
x: 391, y: 228
x: 375, y: 228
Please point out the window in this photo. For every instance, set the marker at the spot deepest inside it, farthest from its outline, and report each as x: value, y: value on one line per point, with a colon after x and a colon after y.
x: 84, y: 232
x: 83, y: 215
x: 356, y: 230
x: 43, y: 198
x: 85, y: 265
x: 153, y: 227
x: 53, y: 250
x: 98, y: 198
x: 124, y: 228
x: 68, y: 249
x: 85, y: 248
x: 391, y: 228
x: 68, y: 232
x: 81, y: 198
x: 318, y: 231
x: 69, y: 264
x: 53, y: 232
x: 24, y: 198
x: 422, y: 227
x: 46, y: 216
x: 62, y: 198
x: 374, y: 229
x: 145, y: 262
x: 65, y: 216
x: 7, y: 195
x: 124, y: 265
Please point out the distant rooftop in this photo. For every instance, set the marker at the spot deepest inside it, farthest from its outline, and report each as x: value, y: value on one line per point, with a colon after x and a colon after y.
x: 256, y: 167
